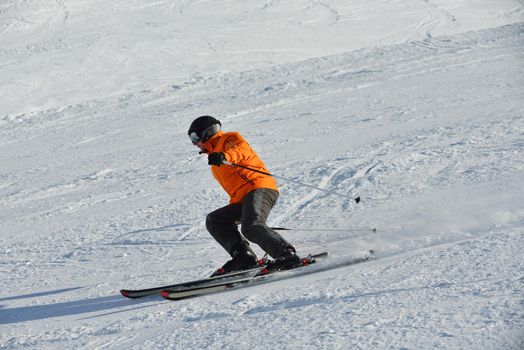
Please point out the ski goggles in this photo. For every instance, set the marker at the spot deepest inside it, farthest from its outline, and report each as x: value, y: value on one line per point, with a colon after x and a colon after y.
x: 206, y: 134
x: 193, y: 136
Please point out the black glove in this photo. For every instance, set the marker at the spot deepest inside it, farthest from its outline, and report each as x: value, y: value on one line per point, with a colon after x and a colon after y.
x: 216, y: 158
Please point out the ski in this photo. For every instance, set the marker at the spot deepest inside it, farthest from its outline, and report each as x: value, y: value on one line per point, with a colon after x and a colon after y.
x: 263, y: 276
x: 138, y: 293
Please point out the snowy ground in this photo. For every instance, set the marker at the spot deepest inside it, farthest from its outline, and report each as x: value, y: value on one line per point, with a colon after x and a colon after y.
x: 416, y: 106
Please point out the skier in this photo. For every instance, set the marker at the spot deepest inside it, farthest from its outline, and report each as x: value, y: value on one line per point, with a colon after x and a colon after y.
x: 252, y: 196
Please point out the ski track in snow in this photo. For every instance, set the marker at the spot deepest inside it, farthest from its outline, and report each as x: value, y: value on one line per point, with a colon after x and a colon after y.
x: 107, y: 193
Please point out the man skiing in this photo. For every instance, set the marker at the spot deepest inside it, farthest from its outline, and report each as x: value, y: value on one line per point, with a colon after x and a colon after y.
x: 252, y: 196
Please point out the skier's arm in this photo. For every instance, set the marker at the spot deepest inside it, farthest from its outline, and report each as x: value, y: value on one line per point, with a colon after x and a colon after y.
x: 236, y: 149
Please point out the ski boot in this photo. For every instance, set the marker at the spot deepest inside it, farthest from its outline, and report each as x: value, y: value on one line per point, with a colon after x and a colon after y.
x: 285, y: 261
x: 243, y: 259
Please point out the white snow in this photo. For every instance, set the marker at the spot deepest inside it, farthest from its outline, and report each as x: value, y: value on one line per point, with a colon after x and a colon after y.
x: 416, y: 106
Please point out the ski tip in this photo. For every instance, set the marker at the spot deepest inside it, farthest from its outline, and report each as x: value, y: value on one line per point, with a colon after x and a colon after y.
x: 125, y: 293
x: 164, y: 294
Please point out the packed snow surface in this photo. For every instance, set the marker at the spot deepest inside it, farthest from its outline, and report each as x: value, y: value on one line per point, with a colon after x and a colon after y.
x: 415, y: 106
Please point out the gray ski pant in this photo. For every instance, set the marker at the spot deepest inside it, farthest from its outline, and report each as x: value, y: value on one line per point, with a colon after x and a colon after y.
x: 252, y: 214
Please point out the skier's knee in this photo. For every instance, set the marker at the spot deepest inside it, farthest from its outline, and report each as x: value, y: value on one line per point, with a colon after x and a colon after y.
x: 210, y: 221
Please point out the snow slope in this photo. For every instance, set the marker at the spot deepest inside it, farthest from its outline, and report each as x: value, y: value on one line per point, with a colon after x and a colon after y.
x: 54, y: 53
x: 415, y: 106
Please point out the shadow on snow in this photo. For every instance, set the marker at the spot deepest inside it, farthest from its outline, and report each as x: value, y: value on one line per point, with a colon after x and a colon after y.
x: 112, y: 304
x: 39, y: 294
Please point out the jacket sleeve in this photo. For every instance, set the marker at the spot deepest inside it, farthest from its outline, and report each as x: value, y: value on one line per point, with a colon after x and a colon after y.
x: 236, y: 149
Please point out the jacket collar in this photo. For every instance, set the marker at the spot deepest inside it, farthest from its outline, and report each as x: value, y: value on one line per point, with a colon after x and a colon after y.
x: 212, y: 143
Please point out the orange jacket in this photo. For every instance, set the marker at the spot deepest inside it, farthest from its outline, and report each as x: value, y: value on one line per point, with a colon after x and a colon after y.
x: 238, y: 182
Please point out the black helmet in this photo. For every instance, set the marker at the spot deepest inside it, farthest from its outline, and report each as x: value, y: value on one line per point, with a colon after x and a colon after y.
x: 203, y: 128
